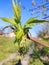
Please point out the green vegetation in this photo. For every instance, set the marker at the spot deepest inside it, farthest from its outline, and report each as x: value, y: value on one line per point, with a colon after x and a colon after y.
x: 6, y: 47
x: 36, y: 62
x: 39, y: 57
x: 13, y: 61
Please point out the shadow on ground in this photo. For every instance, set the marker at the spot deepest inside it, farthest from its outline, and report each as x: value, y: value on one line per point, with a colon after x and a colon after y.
x: 19, y: 62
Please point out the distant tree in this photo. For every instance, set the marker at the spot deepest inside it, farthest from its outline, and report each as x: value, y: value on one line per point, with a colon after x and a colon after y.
x: 44, y: 34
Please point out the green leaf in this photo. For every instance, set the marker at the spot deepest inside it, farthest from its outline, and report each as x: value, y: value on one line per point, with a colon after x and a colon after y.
x: 10, y: 26
x: 10, y: 21
x: 16, y: 10
x: 6, y: 20
x: 31, y: 21
x: 26, y: 28
x: 14, y: 22
x: 29, y: 25
x: 15, y: 19
x: 40, y: 21
x: 19, y: 34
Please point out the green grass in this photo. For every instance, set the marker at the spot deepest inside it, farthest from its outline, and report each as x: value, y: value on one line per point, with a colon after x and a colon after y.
x: 6, y: 47
x: 35, y: 62
x: 13, y: 61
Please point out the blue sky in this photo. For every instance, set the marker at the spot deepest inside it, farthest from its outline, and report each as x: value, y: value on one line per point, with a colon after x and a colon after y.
x: 6, y: 11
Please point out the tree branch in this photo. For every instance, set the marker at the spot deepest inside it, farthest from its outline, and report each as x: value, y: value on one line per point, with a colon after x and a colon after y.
x: 38, y: 42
